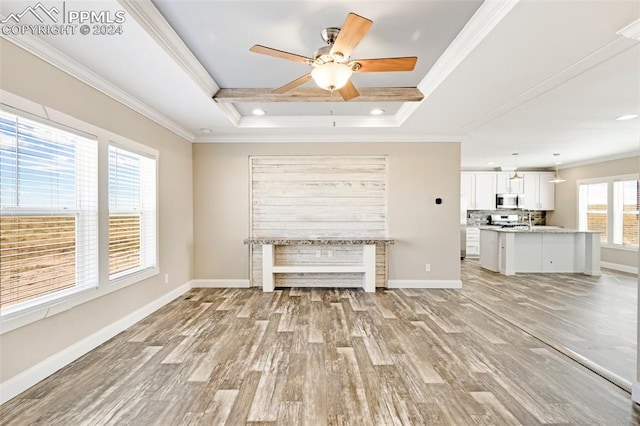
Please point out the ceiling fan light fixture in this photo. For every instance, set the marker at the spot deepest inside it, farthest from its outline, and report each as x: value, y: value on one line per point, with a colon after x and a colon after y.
x: 331, y: 76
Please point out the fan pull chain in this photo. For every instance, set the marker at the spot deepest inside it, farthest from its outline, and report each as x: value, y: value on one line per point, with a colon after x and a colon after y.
x: 331, y: 112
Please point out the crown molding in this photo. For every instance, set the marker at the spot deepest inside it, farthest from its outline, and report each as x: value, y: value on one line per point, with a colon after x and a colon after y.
x: 154, y: 24
x: 488, y: 15
x: 600, y: 160
x: 328, y: 138
x: 631, y: 31
x: 231, y: 112
x: 53, y: 56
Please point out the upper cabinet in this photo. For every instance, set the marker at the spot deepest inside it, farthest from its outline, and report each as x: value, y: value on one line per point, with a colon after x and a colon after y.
x: 539, y: 193
x: 506, y: 186
x: 479, y: 189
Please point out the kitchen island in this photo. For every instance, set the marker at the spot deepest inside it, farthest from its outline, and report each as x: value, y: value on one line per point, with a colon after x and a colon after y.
x: 539, y: 249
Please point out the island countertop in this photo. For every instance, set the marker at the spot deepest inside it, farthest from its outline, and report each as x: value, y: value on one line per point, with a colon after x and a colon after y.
x: 318, y: 241
x: 536, y: 229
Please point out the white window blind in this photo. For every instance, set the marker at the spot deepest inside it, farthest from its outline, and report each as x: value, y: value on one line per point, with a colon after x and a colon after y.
x: 132, y: 212
x: 594, y: 208
x: 48, y: 212
x: 626, y: 203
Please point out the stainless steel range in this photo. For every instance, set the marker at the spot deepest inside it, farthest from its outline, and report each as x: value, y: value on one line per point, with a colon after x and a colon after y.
x: 505, y: 220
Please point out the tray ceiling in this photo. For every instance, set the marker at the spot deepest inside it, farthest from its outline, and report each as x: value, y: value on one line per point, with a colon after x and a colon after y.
x: 534, y: 77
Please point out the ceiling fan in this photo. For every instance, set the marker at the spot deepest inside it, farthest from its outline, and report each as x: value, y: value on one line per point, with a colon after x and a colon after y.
x: 332, y: 64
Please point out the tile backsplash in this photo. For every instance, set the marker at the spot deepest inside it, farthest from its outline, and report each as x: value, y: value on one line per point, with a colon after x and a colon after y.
x: 481, y: 217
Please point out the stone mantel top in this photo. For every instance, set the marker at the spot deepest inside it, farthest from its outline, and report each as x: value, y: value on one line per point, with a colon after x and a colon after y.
x: 318, y: 241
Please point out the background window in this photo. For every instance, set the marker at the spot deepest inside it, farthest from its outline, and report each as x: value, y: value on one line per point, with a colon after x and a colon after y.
x: 48, y: 212
x: 625, y: 212
x: 593, y: 208
x: 132, y: 212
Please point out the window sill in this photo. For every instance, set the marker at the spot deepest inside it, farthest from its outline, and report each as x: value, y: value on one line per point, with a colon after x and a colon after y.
x: 133, y: 277
x: 50, y: 307
x: 18, y: 318
x: 618, y: 247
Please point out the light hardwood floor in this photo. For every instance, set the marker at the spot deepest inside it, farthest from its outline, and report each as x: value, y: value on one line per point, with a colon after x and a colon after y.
x: 592, y: 317
x: 239, y: 356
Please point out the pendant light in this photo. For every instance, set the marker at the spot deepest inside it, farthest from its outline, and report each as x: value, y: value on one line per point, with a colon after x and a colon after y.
x: 515, y: 176
x: 557, y: 178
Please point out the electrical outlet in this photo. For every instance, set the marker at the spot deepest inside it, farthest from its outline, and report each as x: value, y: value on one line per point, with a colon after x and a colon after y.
x: 427, y: 267
x: 166, y: 278
x: 318, y: 254
x: 330, y: 253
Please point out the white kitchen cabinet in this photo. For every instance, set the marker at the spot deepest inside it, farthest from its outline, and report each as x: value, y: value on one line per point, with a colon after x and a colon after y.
x: 467, y: 189
x: 485, y: 191
x: 479, y: 189
x: 506, y: 186
x: 473, y: 242
x: 490, y: 246
x: 539, y: 193
x: 547, y: 191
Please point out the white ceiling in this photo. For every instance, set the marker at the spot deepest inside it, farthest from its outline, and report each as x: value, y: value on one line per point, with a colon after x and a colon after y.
x: 534, y: 77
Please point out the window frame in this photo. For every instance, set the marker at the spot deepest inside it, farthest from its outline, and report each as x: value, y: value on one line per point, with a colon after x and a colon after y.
x: 67, y: 299
x: 134, y: 275
x: 611, y: 209
x: 86, y: 239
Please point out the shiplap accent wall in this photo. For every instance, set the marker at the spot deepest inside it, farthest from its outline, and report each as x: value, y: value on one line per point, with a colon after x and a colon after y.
x: 318, y: 196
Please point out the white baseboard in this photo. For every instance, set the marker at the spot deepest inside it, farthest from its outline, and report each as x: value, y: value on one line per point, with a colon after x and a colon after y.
x: 221, y: 283
x: 618, y: 267
x: 23, y: 381
x: 424, y: 284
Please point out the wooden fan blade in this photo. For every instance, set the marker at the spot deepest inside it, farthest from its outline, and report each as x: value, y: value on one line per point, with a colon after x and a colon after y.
x: 293, y: 84
x: 386, y: 64
x: 349, y: 91
x: 280, y: 54
x: 352, y: 31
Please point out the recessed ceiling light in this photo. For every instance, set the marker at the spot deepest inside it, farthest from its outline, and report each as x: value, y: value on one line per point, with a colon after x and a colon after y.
x: 490, y: 163
x: 626, y: 117
x: 205, y: 130
x: 258, y: 111
x: 376, y: 111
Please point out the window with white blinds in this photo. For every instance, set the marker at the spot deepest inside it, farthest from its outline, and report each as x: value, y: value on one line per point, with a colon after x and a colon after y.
x: 48, y: 212
x: 610, y: 205
x: 132, y: 212
x: 594, y: 207
x: 626, y: 204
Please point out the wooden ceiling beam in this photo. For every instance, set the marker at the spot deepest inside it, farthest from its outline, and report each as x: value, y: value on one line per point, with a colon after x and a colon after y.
x: 367, y: 94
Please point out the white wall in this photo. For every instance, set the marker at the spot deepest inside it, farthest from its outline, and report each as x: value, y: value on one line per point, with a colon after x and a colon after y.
x: 29, y: 77
x: 566, y: 212
x: 418, y: 174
